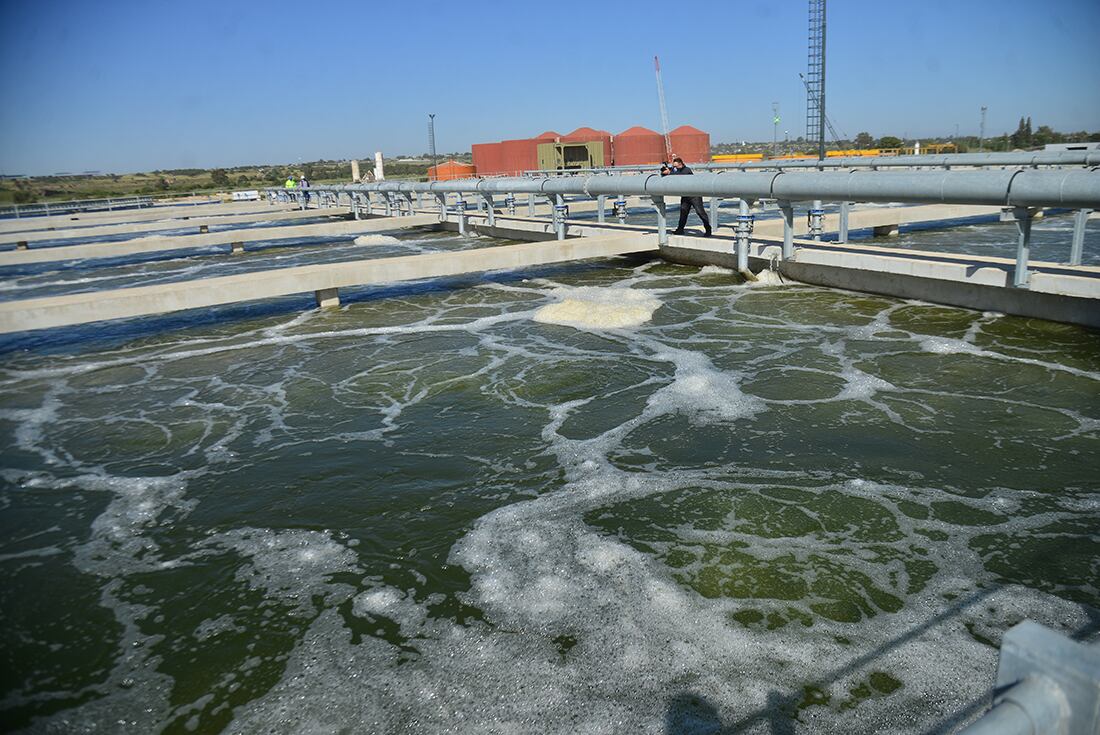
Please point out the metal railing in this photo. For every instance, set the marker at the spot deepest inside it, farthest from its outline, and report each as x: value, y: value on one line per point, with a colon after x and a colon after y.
x: 1019, y: 192
x: 77, y: 205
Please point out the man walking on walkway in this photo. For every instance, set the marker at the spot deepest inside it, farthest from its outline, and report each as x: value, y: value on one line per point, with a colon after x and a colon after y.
x: 687, y: 203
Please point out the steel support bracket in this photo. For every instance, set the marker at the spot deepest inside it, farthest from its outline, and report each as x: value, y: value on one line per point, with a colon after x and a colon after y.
x: 662, y: 220
x: 1022, y: 217
x: 787, y: 210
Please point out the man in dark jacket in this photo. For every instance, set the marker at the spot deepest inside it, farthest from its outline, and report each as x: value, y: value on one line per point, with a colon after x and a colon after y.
x: 687, y: 203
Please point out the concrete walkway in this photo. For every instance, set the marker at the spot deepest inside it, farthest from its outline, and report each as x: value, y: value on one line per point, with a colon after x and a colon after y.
x: 199, y: 223
x: 323, y: 280
x: 1055, y: 292
x: 147, y: 214
x: 880, y: 217
x: 234, y: 238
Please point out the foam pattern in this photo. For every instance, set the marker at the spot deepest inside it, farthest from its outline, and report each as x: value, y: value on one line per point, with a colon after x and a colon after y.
x: 620, y: 498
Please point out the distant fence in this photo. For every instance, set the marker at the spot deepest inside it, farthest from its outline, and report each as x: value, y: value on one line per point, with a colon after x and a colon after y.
x: 76, y: 205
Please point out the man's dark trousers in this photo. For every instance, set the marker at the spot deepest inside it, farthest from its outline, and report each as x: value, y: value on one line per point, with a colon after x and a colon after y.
x: 686, y: 205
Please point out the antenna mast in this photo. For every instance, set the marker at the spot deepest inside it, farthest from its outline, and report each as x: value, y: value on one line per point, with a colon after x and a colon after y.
x: 664, y: 107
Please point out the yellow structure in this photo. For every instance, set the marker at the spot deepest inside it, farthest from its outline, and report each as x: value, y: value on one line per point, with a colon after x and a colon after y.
x: 737, y: 157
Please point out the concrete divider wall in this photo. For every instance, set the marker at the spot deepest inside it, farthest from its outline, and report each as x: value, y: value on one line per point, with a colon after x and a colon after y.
x: 323, y: 279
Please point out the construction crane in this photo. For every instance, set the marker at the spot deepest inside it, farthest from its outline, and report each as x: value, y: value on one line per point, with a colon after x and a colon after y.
x: 828, y: 122
x: 664, y: 108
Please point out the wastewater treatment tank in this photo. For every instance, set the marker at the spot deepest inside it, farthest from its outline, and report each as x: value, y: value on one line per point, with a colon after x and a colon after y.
x: 624, y: 496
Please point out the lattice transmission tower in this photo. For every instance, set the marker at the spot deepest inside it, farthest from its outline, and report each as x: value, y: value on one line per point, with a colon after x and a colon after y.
x: 815, y: 78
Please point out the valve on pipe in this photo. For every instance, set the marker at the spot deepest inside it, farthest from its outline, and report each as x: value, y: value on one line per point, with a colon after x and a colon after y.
x: 743, y: 228
x: 510, y: 203
x: 620, y: 210
x: 815, y: 220
x: 745, y: 225
x: 561, y: 213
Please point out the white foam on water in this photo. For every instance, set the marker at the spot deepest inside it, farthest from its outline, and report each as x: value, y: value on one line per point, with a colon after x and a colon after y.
x: 701, y: 391
x: 768, y: 277
x: 715, y: 270
x: 582, y: 631
x: 952, y: 346
x: 290, y: 565
x: 377, y: 240
x: 394, y: 604
x: 639, y: 639
x: 590, y: 307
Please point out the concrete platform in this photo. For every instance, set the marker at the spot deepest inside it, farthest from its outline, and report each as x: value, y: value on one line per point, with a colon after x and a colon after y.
x: 199, y: 223
x: 323, y: 280
x: 233, y: 238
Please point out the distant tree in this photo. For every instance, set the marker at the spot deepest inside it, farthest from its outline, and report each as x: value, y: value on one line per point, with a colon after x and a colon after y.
x: 864, y: 140
x: 243, y: 180
x: 889, y: 141
x: 162, y: 184
x: 219, y: 177
x: 1045, y: 135
x: 307, y: 171
x: 1023, y: 137
x: 22, y: 196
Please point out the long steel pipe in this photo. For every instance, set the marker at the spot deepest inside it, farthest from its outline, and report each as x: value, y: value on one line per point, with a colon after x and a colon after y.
x: 944, y: 160
x: 1072, y: 188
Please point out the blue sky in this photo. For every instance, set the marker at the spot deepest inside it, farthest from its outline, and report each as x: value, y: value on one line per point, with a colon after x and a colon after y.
x: 120, y: 85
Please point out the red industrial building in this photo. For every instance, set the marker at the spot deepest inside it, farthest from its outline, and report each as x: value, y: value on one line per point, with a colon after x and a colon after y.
x: 450, y: 170
x: 633, y: 147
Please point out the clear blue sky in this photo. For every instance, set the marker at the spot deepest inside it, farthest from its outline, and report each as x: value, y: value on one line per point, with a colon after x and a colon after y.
x: 122, y: 85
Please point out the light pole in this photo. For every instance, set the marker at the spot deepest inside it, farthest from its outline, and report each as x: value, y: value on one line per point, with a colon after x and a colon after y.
x: 981, y: 131
x: 775, y: 126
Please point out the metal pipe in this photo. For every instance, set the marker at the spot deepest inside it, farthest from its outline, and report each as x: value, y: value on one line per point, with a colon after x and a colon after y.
x: 488, y: 204
x: 1034, y: 706
x: 1023, y: 247
x: 842, y: 235
x: 817, y: 220
x: 1080, y: 221
x: 1033, y: 159
x: 620, y: 209
x: 662, y: 220
x: 1075, y: 189
x: 788, y: 229
x: 561, y: 213
x: 744, y: 229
